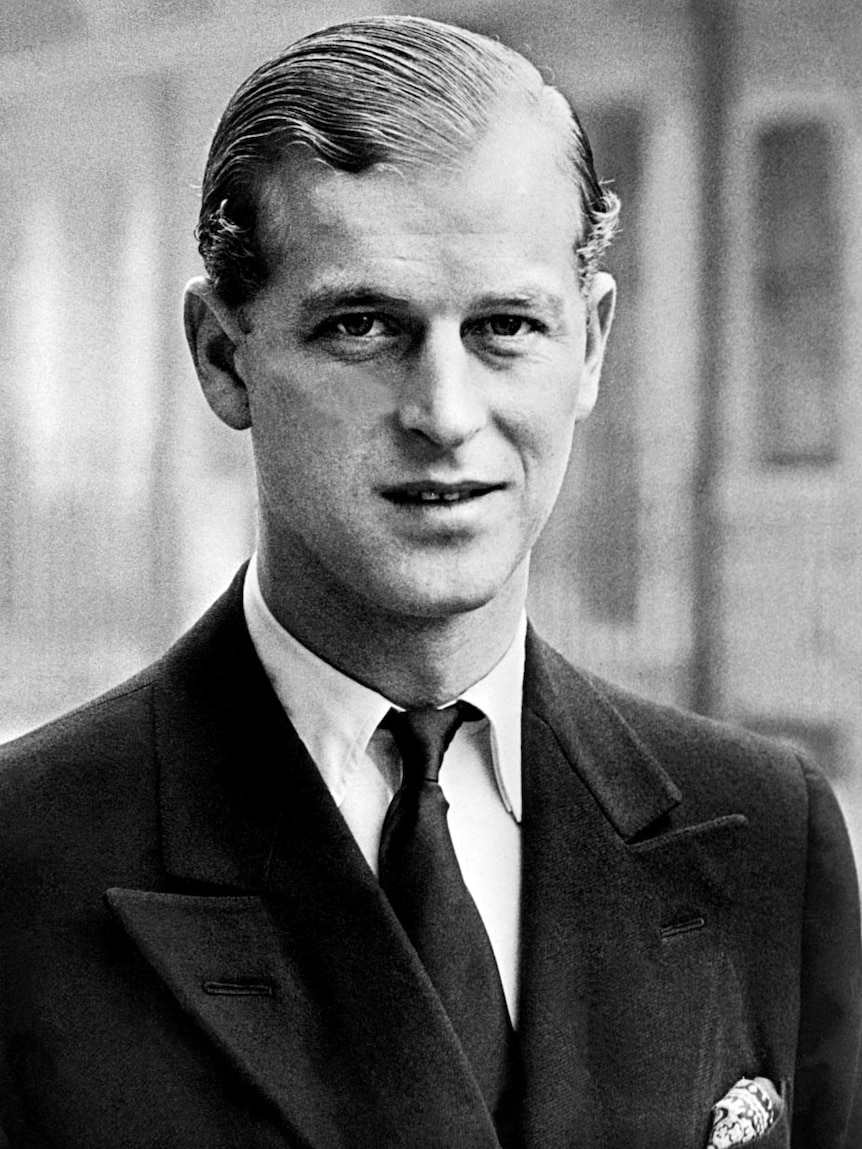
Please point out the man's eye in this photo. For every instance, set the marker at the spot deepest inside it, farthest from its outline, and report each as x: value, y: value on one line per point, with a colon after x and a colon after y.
x: 356, y: 325
x: 509, y: 326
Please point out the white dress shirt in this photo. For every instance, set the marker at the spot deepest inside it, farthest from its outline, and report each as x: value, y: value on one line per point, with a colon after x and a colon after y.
x: 338, y: 720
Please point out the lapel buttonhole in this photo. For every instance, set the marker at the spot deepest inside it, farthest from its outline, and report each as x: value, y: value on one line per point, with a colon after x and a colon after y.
x: 240, y: 987
x: 677, y: 928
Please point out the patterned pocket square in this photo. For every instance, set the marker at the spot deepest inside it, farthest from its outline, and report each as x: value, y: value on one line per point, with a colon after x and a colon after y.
x: 746, y: 1112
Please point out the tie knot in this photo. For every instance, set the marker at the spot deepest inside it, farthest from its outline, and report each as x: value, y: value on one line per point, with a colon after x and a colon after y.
x: 423, y: 737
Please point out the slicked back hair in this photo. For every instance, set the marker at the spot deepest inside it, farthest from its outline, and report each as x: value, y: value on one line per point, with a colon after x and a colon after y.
x: 388, y: 90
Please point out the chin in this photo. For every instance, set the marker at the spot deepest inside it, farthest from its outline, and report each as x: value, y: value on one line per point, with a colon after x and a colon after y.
x: 445, y: 607
x: 439, y: 599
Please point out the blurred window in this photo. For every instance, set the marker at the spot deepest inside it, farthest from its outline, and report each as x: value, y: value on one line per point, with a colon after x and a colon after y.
x: 798, y: 295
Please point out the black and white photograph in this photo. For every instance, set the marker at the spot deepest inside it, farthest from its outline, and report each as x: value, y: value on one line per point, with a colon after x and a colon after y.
x: 430, y: 574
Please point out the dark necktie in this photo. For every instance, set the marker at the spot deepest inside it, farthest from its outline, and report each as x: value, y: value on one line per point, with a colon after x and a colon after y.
x: 420, y: 874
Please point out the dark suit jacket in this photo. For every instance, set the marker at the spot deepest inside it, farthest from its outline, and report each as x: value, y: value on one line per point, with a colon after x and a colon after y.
x: 194, y: 953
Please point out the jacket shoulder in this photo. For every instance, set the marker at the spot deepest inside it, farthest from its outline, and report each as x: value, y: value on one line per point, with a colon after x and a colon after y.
x: 116, y: 722
x: 709, y: 760
x: 119, y: 722
x: 102, y: 755
x: 66, y: 787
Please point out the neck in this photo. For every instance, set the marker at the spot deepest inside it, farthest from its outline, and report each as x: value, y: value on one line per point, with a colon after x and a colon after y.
x: 411, y: 660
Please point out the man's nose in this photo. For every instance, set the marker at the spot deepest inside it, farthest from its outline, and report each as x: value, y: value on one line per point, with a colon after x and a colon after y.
x: 440, y: 398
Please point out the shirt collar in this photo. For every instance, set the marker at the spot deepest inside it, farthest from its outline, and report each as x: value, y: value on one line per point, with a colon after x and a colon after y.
x: 336, y: 716
x: 499, y: 695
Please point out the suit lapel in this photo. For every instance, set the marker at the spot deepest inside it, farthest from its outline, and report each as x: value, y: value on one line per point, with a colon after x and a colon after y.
x: 620, y: 916
x: 272, y: 933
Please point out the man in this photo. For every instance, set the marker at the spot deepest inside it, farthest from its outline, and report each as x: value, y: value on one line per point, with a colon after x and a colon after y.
x: 235, y: 912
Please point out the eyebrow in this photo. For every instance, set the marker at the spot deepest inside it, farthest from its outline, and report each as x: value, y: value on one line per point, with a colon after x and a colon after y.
x: 326, y: 300
x: 530, y: 299
x: 330, y: 299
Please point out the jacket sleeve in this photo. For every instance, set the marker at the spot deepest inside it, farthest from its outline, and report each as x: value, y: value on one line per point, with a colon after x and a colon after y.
x: 827, y: 1109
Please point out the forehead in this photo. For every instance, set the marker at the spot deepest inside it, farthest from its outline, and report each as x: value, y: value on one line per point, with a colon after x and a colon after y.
x: 508, y: 204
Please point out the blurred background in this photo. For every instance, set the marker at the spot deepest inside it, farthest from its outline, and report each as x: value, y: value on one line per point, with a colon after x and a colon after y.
x: 707, y: 548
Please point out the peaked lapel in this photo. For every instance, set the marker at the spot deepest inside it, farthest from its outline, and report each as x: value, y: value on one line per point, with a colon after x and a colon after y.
x: 273, y: 933
x: 621, y: 912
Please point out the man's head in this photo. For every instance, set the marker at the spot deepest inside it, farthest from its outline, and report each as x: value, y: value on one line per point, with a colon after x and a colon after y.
x: 396, y: 91
x: 403, y: 305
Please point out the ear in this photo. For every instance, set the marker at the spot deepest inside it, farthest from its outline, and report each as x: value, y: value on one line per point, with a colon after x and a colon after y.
x: 213, y: 335
x: 601, y: 302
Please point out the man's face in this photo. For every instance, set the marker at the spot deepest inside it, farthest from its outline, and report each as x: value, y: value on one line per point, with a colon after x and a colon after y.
x: 415, y: 369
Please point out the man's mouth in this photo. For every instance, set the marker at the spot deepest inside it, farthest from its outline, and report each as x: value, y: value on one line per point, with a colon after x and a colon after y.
x: 438, y: 494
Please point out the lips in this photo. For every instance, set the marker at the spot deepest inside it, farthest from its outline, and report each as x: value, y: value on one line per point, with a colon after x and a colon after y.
x: 428, y: 494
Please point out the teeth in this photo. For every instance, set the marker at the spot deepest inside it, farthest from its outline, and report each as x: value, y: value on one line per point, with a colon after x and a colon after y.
x: 435, y: 497
x: 440, y: 497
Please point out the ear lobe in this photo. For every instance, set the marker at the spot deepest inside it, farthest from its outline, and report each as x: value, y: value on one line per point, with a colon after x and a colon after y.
x: 213, y: 336
x: 600, y: 316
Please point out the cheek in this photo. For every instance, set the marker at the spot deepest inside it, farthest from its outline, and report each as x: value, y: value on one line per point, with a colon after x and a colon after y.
x: 544, y: 434
x: 311, y: 456
x: 309, y: 399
